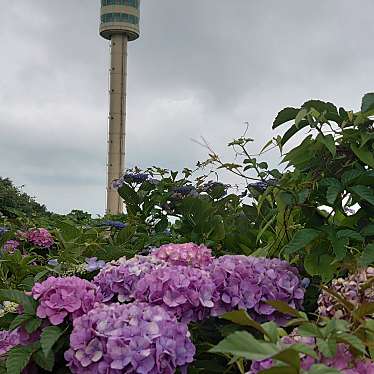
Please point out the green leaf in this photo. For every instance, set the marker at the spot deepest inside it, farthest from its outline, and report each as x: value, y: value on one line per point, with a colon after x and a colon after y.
x: 292, y: 131
x: 327, y: 346
x: 364, y: 192
x: 19, y: 297
x: 328, y: 141
x: 305, y: 349
x: 300, y: 116
x: 367, y: 104
x: 18, y: 358
x: 243, y: 344
x: 288, y: 356
x: 353, y: 341
x: 309, y: 329
x: 350, y: 176
x: 271, y: 329
x: 280, y: 370
x: 320, y: 263
x: 46, y: 363
x: 19, y: 320
x: 300, y: 240
x: 367, y: 257
x: 284, y: 308
x: 241, y: 317
x: 364, y: 154
x: 350, y: 234
x: 49, y: 337
x: 322, y: 369
x: 368, y: 230
x: 284, y: 116
x: 32, y: 325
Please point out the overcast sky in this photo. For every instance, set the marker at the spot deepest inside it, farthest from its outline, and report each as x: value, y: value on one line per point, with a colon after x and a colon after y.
x: 200, y: 68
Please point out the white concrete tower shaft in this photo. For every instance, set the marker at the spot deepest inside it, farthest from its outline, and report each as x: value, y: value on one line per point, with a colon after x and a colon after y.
x: 117, y: 120
x: 119, y: 23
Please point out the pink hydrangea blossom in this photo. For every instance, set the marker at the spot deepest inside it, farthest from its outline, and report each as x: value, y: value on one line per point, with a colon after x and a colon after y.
x: 187, y: 254
x: 11, y: 246
x: 62, y: 297
x: 40, y: 238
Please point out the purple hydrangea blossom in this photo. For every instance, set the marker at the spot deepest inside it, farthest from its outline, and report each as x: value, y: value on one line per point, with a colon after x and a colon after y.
x: 40, y: 238
x: 187, y: 292
x: 115, y: 224
x: 342, y: 361
x: 249, y: 282
x: 11, y: 246
x: 131, y: 338
x: 62, y: 297
x: 188, y: 254
x: 93, y: 264
x: 136, y: 178
x: 19, y: 336
x: 119, y: 279
x: 350, y: 289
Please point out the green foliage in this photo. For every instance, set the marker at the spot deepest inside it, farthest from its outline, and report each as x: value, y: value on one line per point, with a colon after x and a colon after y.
x: 12, y: 199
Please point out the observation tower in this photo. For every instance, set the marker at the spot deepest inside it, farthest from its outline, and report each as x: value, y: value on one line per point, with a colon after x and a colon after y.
x: 119, y: 23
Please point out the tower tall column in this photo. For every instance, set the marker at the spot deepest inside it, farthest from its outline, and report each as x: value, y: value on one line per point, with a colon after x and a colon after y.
x: 117, y: 120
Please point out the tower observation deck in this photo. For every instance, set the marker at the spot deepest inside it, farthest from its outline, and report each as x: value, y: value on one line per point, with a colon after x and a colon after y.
x: 119, y: 23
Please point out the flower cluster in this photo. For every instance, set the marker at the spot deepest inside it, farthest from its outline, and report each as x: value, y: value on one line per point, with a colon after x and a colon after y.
x: 119, y: 279
x: 19, y: 336
x: 61, y: 297
x: 249, y: 282
x: 11, y: 246
x: 349, y: 289
x: 343, y: 360
x: 211, y: 186
x: 3, y: 230
x: 115, y: 224
x: 40, y: 238
x: 187, y: 292
x: 188, y: 254
x: 93, y: 264
x: 134, y: 338
x: 136, y: 178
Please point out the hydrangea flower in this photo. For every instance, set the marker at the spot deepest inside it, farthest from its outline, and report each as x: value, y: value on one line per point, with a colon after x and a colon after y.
x: 40, y: 238
x: 19, y: 336
x: 120, y: 278
x: 249, y: 282
x: 92, y: 264
x: 132, y: 338
x: 3, y: 230
x: 187, y: 292
x: 53, y: 262
x: 11, y: 246
x: 115, y: 224
x: 136, y: 178
x: 62, y: 297
x: 188, y: 254
x: 342, y: 361
x: 349, y: 289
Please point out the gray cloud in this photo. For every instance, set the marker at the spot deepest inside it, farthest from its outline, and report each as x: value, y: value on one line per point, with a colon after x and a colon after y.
x: 200, y: 68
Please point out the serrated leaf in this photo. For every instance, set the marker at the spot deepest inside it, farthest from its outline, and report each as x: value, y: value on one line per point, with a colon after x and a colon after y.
x: 309, y: 329
x: 353, y: 341
x: 327, y: 346
x: 364, y: 192
x: 18, y: 358
x: 367, y: 257
x: 19, y: 320
x: 49, y: 337
x: 367, y: 103
x: 241, y: 317
x: 243, y: 344
x: 300, y: 240
x: 288, y: 356
x: 322, y: 369
x: 284, y: 308
x: 32, y: 325
x: 364, y: 154
x: 328, y: 141
x: 284, y: 116
x: 45, y: 362
x: 350, y: 234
